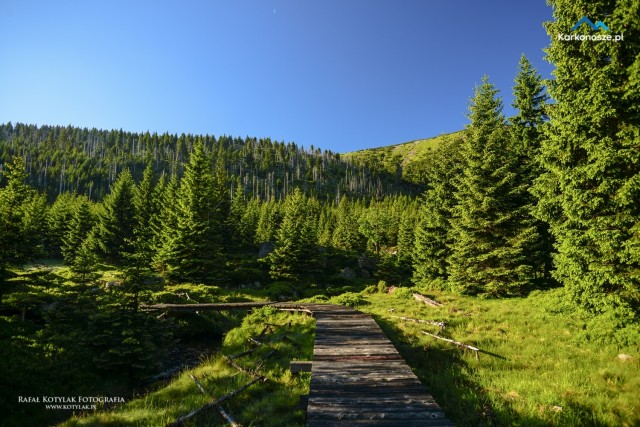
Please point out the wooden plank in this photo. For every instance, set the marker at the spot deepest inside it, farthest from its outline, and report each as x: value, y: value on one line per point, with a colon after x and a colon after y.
x: 358, y: 377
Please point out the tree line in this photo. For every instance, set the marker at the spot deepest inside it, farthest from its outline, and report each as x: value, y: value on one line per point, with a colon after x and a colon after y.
x: 546, y: 197
x: 88, y: 161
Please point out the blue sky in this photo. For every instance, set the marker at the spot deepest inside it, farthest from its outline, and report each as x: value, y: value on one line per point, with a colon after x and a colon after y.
x: 340, y: 75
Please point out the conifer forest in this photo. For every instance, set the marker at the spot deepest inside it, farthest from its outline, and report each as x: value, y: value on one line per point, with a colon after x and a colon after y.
x: 531, y: 219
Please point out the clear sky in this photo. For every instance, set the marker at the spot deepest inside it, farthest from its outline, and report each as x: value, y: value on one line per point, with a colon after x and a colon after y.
x: 337, y: 74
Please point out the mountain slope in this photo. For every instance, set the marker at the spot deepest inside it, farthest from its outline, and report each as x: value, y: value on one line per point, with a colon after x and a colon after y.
x: 405, y: 161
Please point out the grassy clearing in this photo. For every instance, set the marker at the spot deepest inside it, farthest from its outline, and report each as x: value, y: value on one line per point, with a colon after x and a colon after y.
x: 270, y: 403
x: 535, y: 367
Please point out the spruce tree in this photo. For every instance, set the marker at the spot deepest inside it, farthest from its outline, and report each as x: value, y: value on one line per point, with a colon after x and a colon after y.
x: 488, y: 253
x: 268, y: 222
x: 78, y: 229
x: 236, y: 212
x: 345, y: 234
x: 249, y: 223
x: 145, y: 209
x: 433, y: 233
x: 58, y: 218
x: 295, y: 241
x: 165, y: 223
x: 526, y: 137
x: 222, y: 200
x: 22, y: 217
x: 374, y: 224
x: 195, y: 252
x: 590, y: 190
x: 326, y: 224
x: 115, y: 233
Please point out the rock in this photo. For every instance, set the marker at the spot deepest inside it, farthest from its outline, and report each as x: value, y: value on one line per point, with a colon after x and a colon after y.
x: 348, y: 274
x: 265, y: 249
x: 624, y: 357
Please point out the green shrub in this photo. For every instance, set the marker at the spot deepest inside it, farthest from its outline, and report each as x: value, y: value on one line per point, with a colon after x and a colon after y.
x: 185, y: 293
x: 350, y: 299
x: 382, y: 287
x: 371, y: 289
x: 403, y: 293
x: 319, y: 299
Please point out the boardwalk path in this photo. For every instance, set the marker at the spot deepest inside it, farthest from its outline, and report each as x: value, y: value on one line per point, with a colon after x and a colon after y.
x: 357, y: 376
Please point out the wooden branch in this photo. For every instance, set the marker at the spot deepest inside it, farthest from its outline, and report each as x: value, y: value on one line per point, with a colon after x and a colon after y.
x: 205, y: 306
x: 221, y: 410
x: 459, y: 344
x: 259, y: 345
x: 244, y: 353
x: 266, y: 343
x: 429, y: 322
x: 427, y: 301
x: 215, y: 403
x: 267, y: 328
x: 241, y: 369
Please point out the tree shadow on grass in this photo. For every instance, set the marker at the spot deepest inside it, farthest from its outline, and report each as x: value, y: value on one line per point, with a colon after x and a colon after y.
x: 492, y: 354
x: 450, y: 380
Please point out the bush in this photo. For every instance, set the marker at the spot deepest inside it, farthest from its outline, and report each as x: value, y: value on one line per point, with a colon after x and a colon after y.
x: 317, y: 299
x: 371, y: 289
x: 382, y: 287
x: 185, y: 293
x: 350, y: 299
x: 403, y: 293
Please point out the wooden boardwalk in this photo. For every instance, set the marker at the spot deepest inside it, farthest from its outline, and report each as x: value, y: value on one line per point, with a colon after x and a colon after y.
x: 357, y: 375
x: 359, y: 378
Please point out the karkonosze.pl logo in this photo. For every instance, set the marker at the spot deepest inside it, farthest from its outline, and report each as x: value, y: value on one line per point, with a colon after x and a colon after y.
x: 599, y: 25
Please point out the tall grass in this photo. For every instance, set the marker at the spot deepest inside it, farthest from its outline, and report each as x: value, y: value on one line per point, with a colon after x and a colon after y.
x: 535, y: 366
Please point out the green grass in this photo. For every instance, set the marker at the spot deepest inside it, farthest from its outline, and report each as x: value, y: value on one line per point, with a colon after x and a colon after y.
x: 534, y: 368
x: 272, y: 403
x: 408, y: 157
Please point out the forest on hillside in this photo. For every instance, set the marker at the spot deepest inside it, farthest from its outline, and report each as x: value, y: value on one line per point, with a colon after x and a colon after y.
x: 546, y: 198
x: 87, y: 161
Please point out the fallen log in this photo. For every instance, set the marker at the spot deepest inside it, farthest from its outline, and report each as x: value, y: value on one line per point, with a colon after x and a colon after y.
x: 213, y: 404
x: 205, y: 306
x: 427, y: 301
x: 459, y: 344
x: 429, y: 322
x: 221, y: 410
